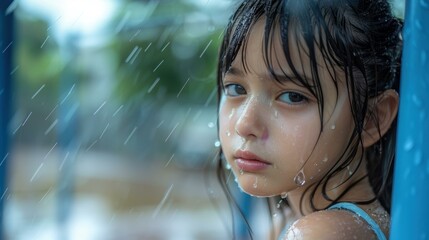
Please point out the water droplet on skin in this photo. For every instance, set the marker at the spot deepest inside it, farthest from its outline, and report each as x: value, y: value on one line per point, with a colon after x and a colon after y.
x: 283, y: 195
x: 232, y: 113
x: 299, y: 179
x: 325, y: 159
x: 333, y: 127
x: 241, y: 171
x: 255, y: 184
x: 275, y: 215
x: 211, y: 125
x: 228, y: 133
x: 276, y: 113
x: 228, y: 166
x: 217, y: 144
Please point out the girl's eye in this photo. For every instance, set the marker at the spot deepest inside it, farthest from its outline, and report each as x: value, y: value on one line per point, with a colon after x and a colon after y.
x: 234, y: 90
x: 292, y: 98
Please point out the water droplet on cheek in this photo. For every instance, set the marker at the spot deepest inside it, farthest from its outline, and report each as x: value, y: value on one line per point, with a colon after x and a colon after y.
x: 283, y: 195
x: 333, y: 127
x: 241, y: 171
x: 276, y: 113
x: 299, y: 179
x: 228, y: 133
x: 232, y: 113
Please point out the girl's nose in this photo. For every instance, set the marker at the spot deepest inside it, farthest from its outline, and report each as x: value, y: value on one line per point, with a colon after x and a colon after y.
x: 250, y: 122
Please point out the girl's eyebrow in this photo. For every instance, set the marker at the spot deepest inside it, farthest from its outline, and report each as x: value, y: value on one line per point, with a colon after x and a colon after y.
x: 282, y: 77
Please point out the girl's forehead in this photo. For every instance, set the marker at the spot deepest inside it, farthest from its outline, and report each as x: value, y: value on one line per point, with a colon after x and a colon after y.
x: 258, y: 55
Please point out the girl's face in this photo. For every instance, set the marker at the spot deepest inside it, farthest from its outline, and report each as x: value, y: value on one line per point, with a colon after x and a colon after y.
x: 269, y: 131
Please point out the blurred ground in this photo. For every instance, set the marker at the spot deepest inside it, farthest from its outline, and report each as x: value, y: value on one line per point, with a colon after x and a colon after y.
x: 113, y: 198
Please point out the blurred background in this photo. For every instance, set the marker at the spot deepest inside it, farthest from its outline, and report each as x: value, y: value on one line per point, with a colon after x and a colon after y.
x: 112, y: 125
x: 113, y: 120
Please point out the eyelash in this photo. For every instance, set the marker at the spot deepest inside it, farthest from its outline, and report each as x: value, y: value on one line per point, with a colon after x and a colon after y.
x: 235, y: 90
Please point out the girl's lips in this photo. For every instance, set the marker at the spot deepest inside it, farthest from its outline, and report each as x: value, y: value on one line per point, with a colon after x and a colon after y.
x: 249, y: 162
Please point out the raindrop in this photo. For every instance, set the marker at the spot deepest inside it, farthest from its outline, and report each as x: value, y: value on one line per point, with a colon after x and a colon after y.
x: 153, y: 85
x: 182, y: 88
x: 166, y: 45
x: 7, y: 47
x: 38, y: 91
x: 51, y: 112
x: 44, y: 42
x: 133, y: 55
x: 64, y: 161
x: 158, y: 66
x: 26, y: 119
x: 119, y: 109
x: 135, y: 35
x: 177, y: 124
x: 171, y: 158
x: 11, y: 7
x: 14, y: 70
x: 47, y: 154
x: 105, y: 129
x: 51, y: 127
x: 210, y: 98
x: 333, y: 127
x: 129, y: 136
x: 98, y: 109
x: 68, y: 94
x: 148, y: 46
x: 409, y: 144
x: 92, y: 144
x: 211, y: 125
x: 205, y: 49
x: 36, y: 172
x: 217, y: 144
x: 4, y: 158
x: 299, y: 179
x: 164, y: 199
x: 4, y: 193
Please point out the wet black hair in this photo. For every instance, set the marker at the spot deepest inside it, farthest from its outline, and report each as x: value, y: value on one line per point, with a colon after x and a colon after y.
x: 362, y: 38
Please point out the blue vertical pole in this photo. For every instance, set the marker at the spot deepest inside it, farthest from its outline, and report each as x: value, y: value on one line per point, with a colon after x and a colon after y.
x: 6, y: 46
x: 410, y: 205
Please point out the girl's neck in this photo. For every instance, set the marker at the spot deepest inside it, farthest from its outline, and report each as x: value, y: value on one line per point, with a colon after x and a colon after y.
x: 362, y: 191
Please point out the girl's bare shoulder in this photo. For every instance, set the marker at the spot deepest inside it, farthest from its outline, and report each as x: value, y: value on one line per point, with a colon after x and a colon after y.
x: 329, y: 224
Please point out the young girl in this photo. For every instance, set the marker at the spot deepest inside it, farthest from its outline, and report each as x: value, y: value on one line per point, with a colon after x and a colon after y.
x: 308, y: 98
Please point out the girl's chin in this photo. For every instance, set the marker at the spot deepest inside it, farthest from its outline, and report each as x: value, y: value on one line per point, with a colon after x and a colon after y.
x: 255, y: 186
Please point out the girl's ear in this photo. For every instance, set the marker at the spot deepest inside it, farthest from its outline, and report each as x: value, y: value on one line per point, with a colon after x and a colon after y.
x: 384, y: 111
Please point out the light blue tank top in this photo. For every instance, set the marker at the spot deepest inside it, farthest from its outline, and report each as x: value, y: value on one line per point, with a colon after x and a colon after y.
x: 362, y: 214
x: 358, y: 211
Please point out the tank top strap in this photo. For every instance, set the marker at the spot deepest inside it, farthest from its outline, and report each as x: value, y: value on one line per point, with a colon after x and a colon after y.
x: 362, y: 214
